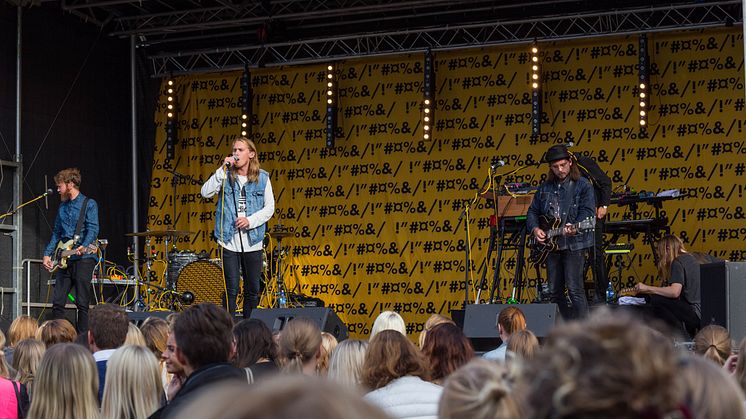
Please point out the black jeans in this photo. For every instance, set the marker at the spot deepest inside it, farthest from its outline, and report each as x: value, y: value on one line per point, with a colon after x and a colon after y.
x: 565, y: 269
x: 677, y: 314
x: 77, y: 275
x: 252, y: 277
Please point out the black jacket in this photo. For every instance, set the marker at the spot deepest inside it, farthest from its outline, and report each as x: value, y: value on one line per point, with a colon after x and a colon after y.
x: 201, y: 379
x: 600, y: 181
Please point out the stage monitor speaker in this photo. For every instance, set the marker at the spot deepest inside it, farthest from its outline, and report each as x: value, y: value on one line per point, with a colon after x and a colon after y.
x: 480, y: 322
x: 723, y: 292
x: 138, y: 317
x: 326, y: 318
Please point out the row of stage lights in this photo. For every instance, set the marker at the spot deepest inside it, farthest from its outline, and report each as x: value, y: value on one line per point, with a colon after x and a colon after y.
x: 428, y: 98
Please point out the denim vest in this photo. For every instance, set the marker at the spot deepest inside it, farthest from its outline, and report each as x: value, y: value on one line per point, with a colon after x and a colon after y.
x: 254, y: 202
x: 582, y: 206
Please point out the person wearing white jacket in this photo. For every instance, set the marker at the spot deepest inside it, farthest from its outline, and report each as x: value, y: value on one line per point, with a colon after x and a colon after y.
x: 396, y: 373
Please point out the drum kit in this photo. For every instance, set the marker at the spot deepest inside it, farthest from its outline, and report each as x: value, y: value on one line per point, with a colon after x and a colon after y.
x: 188, y: 277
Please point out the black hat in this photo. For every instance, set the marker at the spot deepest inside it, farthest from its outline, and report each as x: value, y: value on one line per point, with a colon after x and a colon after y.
x: 556, y: 152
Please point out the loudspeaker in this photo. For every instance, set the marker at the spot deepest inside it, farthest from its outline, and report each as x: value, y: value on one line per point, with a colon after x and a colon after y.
x: 723, y: 292
x: 326, y: 318
x: 480, y: 322
x: 138, y: 317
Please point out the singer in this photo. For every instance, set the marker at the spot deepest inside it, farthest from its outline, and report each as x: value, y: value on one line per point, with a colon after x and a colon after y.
x: 245, y: 204
x: 77, y: 218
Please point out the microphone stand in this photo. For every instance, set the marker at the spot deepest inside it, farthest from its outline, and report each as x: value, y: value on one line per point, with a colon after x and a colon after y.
x: 24, y: 204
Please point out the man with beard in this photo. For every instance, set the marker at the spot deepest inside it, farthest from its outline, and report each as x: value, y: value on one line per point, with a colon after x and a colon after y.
x: 77, y: 220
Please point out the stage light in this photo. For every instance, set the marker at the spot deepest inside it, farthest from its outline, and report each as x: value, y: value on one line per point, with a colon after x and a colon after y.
x: 644, y: 83
x: 245, y: 101
x: 428, y: 94
x: 171, y: 123
x: 331, y: 105
x: 535, y: 92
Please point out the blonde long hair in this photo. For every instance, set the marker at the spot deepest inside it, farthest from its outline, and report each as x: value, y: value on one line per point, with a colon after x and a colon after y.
x: 133, y: 385
x: 300, y: 344
x: 254, y: 166
x: 668, y: 248
x: 26, y: 360
x: 23, y: 327
x: 66, y: 386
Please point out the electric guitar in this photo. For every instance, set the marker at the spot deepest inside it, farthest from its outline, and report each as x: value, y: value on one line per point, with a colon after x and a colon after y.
x: 553, y: 228
x: 66, y: 249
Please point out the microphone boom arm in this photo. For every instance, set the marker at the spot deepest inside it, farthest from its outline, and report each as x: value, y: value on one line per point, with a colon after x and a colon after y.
x: 25, y: 203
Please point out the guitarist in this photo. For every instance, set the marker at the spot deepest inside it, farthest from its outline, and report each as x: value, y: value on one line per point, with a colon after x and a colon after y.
x: 73, y: 219
x: 567, y: 198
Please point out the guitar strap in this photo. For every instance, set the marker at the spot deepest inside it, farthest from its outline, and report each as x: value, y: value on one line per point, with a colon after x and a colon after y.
x: 81, y: 217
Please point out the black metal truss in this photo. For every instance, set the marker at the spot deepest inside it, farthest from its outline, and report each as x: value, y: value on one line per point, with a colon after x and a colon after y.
x: 618, y: 22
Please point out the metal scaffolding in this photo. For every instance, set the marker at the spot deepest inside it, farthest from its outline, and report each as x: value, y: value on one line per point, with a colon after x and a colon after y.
x: 188, y: 36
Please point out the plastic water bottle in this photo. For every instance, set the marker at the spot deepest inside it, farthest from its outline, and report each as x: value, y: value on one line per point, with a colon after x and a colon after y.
x: 282, y: 301
x: 610, y: 294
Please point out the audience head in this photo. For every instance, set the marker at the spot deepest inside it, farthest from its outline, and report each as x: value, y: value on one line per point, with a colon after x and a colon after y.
x: 134, y: 336
x: 4, y: 367
x: 740, y: 372
x: 523, y: 344
x: 346, y: 363
x: 390, y: 356
x: 52, y: 332
x: 173, y: 366
x: 108, y: 325
x: 155, y: 332
x: 510, y: 320
x: 708, y: 391
x: 23, y: 327
x: 300, y: 345
x: 446, y: 348
x: 609, y: 365
x: 133, y: 386
x: 26, y: 359
x: 253, y: 342
x: 479, y: 390
x: 66, y: 385
x: 432, y: 321
x: 714, y: 343
x: 328, y: 344
x: 204, y: 335
x: 388, y: 320
x: 284, y: 397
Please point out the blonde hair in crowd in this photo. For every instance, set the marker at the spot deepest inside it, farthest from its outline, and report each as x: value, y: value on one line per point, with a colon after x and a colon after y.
x: 328, y: 344
x: 23, y: 327
x: 26, y: 360
x: 254, y: 166
x: 346, y: 363
x: 714, y: 343
x: 431, y: 322
x: 56, y: 331
x: 133, y: 387
x: 523, y: 344
x: 300, y: 343
x: 708, y: 390
x: 66, y: 386
x: 388, y: 320
x: 480, y: 389
x: 134, y: 336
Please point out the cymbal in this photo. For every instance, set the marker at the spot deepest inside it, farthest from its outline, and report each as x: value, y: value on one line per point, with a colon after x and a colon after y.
x: 280, y: 234
x: 160, y: 233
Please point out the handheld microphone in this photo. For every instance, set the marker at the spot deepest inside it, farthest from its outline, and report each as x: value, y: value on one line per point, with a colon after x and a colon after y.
x: 229, y: 164
x: 497, y: 164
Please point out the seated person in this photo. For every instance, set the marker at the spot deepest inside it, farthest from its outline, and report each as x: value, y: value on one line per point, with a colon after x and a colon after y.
x: 678, y: 302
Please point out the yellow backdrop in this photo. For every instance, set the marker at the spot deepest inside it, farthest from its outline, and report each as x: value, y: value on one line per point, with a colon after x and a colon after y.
x: 376, y: 219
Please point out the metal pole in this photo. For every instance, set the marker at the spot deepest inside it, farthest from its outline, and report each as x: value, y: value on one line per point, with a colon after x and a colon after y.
x: 135, y: 220
x: 17, y: 192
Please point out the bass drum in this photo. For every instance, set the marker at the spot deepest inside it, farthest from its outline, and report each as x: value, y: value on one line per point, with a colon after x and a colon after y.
x: 204, y: 279
x: 177, y: 260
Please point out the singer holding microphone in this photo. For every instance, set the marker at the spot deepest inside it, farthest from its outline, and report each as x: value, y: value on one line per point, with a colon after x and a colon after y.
x: 245, y: 204
x: 77, y: 218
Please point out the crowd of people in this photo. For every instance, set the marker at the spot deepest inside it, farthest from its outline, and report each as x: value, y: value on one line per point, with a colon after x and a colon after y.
x: 199, y: 364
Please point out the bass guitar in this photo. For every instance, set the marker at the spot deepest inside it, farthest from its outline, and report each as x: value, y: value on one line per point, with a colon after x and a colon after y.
x: 66, y: 249
x: 553, y: 228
